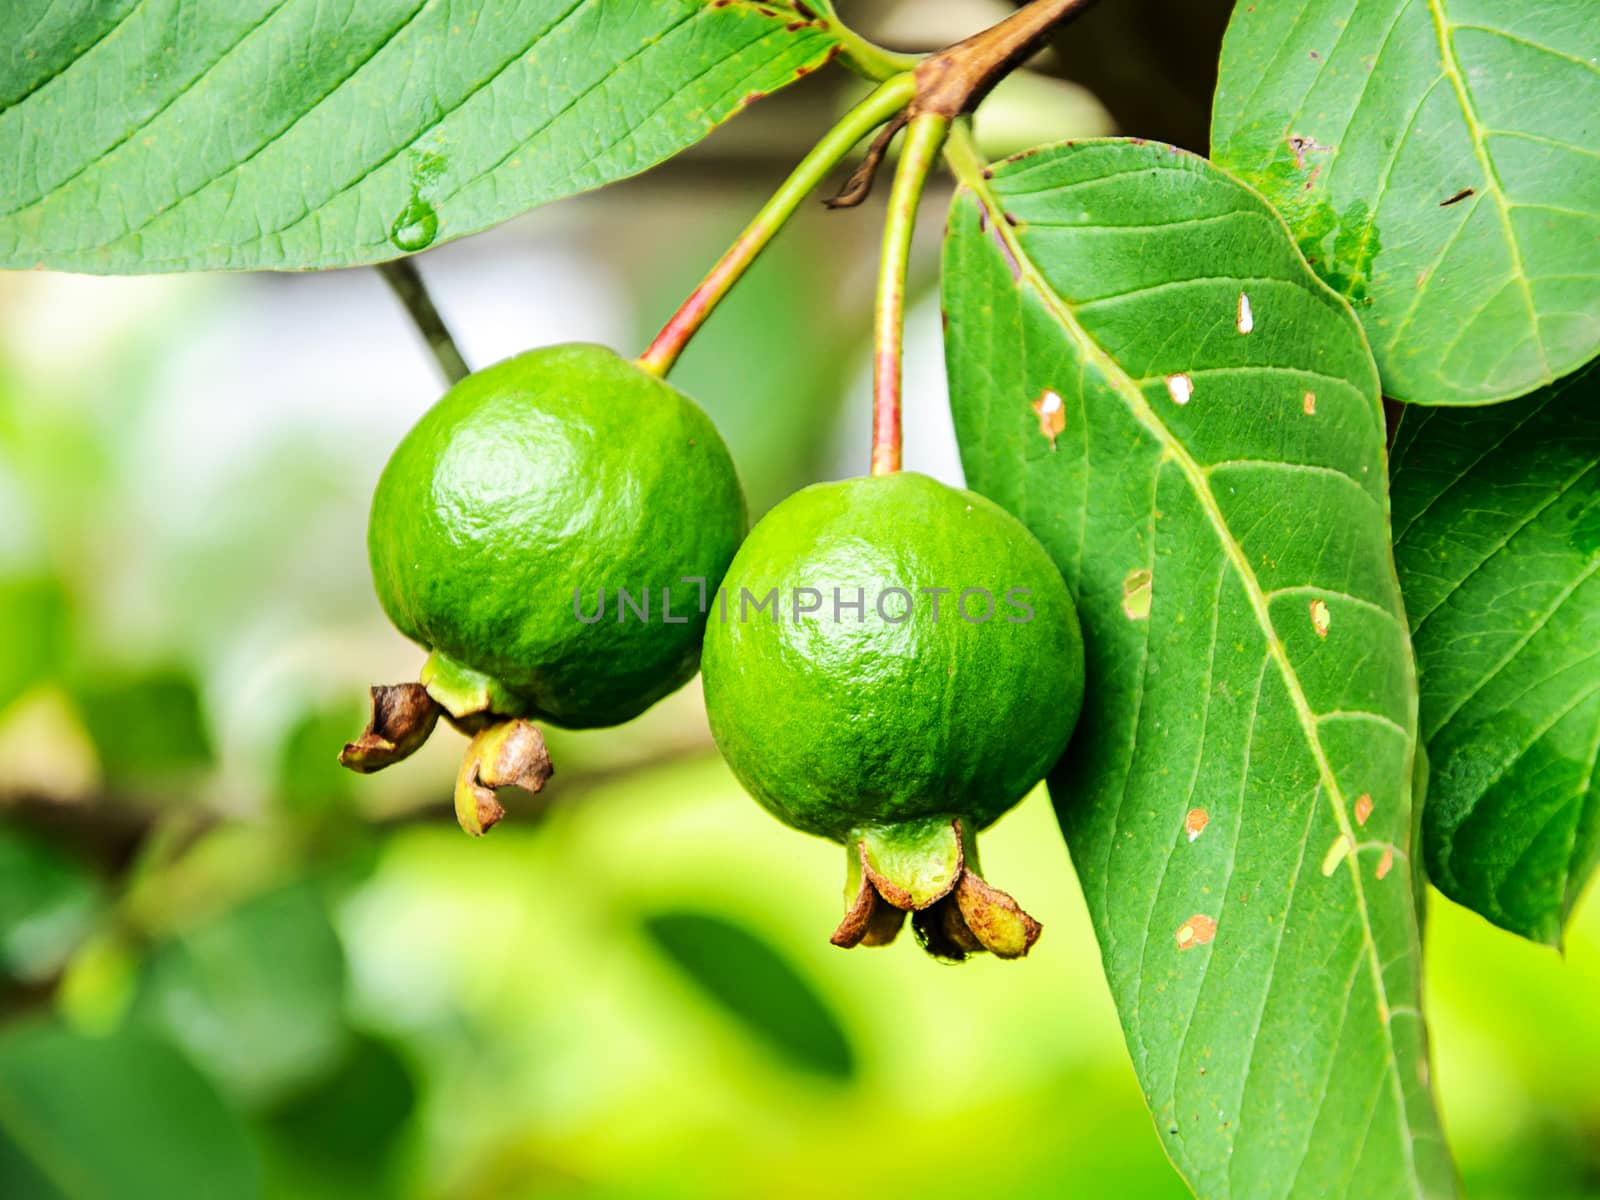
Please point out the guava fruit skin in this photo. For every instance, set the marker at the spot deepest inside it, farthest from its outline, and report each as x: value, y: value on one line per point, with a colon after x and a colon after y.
x: 837, y: 725
x: 567, y: 469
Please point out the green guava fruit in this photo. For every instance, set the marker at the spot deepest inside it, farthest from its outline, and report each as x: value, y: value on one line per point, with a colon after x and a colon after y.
x: 550, y: 531
x: 893, y: 664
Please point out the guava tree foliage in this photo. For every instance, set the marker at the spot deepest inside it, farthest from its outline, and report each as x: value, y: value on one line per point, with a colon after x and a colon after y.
x: 1331, y: 656
x: 296, y: 133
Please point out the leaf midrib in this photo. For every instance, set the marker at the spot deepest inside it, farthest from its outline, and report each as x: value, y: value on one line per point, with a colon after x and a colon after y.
x: 1451, y: 65
x: 969, y: 170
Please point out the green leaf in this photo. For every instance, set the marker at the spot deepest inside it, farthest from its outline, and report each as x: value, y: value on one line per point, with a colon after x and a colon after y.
x: 48, y: 904
x: 1436, y: 161
x: 756, y: 986
x: 37, y: 605
x: 185, y: 134
x: 146, y: 728
x: 1237, y: 795
x: 255, y: 996
x: 1497, y: 516
x: 86, y: 1118
x: 342, y: 1138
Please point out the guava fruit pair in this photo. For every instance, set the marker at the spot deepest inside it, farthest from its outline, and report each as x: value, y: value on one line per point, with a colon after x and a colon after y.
x: 888, y: 662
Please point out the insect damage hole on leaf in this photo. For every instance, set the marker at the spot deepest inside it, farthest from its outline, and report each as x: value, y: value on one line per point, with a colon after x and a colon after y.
x: 1136, y: 588
x: 1320, y: 617
x: 1052, y: 415
x: 1300, y: 146
x: 1363, y: 807
x: 1192, y: 473
x: 1198, y: 930
x: 1385, y: 862
x: 1195, y: 822
x: 1180, y: 388
x: 1246, y: 320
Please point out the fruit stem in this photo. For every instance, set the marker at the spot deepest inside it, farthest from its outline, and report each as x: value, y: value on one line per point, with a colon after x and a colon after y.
x: 967, y: 164
x: 881, y: 105
x: 406, y: 282
x: 924, y: 136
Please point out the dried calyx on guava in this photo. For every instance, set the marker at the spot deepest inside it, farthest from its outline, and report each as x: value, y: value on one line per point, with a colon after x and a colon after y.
x: 549, y: 531
x: 896, y: 663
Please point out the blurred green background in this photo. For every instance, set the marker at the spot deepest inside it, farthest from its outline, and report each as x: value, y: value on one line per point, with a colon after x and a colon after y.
x: 228, y: 969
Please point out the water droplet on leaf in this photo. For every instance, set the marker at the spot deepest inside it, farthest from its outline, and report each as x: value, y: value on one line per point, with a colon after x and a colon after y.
x: 416, y: 226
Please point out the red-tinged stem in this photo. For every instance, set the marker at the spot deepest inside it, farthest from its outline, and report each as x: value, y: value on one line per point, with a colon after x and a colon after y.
x: 880, y: 106
x: 924, y: 137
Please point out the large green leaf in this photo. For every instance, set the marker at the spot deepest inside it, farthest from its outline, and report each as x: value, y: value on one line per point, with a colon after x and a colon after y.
x: 256, y: 996
x: 347, y: 1136
x: 148, y: 728
x: 1497, y: 516
x: 758, y: 987
x: 168, y: 135
x: 1145, y: 372
x: 1436, y: 160
x: 115, y: 1118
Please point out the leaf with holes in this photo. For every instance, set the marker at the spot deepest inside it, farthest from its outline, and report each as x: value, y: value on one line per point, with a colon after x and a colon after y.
x: 1237, y: 796
x: 1497, y: 516
x: 1436, y: 160
x: 175, y: 135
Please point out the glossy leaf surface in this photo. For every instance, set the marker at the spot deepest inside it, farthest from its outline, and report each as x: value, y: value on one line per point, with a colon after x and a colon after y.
x: 1497, y: 516
x: 83, y: 1118
x: 1436, y: 160
x: 1145, y: 372
x: 176, y: 135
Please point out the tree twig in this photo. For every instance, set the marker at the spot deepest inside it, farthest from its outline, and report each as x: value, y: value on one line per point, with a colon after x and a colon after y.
x: 405, y: 280
x: 953, y: 81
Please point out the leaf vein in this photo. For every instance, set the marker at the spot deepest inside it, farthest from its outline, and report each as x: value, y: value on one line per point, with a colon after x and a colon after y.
x: 152, y: 118
x: 1504, y: 541
x: 1452, y: 69
x: 1140, y: 409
